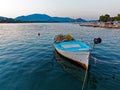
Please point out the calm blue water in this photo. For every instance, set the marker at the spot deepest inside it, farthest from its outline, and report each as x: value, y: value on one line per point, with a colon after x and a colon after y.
x: 29, y: 62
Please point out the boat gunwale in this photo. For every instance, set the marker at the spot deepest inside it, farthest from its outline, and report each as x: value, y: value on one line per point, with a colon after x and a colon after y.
x: 83, y: 47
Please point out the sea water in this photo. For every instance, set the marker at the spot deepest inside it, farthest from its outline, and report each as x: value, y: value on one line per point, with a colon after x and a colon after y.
x: 28, y: 61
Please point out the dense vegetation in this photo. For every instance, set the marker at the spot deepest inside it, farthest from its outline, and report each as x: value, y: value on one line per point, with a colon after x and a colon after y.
x: 9, y: 20
x: 107, y: 18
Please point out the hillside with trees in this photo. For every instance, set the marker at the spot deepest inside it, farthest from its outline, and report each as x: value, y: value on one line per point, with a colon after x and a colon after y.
x: 8, y: 20
x: 107, y: 18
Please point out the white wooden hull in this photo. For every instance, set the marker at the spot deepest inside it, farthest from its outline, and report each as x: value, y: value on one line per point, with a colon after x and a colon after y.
x: 81, y: 58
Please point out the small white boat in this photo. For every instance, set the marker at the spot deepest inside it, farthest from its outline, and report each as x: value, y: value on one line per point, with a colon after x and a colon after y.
x: 74, y: 50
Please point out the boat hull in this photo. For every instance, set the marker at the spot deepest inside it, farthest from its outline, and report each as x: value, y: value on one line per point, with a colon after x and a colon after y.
x: 81, y: 58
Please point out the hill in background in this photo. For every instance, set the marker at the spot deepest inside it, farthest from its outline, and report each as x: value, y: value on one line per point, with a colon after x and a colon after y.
x: 39, y: 18
x: 46, y: 18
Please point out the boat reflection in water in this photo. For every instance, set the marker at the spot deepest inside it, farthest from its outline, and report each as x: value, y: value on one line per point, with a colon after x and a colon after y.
x: 70, y: 66
x: 77, y: 72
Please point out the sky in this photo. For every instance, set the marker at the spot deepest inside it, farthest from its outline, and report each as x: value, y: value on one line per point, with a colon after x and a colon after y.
x: 87, y: 9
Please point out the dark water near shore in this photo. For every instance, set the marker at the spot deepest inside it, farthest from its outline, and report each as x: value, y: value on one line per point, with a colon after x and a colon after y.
x: 29, y: 62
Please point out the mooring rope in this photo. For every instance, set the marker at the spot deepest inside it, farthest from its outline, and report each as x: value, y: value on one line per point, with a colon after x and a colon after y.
x: 95, y: 60
x: 84, y: 80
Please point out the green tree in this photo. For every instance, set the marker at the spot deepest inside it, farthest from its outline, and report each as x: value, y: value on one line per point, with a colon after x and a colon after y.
x: 101, y: 18
x: 117, y: 18
x: 104, y: 18
x: 112, y: 19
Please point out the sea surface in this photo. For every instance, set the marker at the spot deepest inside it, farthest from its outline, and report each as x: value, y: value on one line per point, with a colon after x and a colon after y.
x: 30, y: 62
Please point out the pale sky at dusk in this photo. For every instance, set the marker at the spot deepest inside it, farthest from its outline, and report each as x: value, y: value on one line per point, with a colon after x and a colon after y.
x: 87, y: 9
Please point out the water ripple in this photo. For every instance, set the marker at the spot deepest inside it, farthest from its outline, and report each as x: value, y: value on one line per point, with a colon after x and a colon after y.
x: 28, y: 61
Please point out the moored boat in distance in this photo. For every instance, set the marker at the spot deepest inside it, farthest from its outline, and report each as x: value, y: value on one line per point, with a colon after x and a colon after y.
x: 74, y: 50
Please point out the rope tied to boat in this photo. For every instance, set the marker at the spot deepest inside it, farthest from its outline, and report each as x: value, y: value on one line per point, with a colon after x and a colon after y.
x: 112, y: 63
x: 106, y: 62
x: 96, y: 60
x: 84, y: 79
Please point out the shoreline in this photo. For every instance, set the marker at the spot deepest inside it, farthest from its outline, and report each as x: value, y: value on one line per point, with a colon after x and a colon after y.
x: 101, y: 25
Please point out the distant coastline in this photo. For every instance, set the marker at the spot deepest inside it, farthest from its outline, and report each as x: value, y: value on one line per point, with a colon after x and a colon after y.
x: 39, y: 18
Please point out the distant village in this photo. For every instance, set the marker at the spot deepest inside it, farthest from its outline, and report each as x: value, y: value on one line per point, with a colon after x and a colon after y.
x: 105, y: 21
x: 114, y: 24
